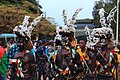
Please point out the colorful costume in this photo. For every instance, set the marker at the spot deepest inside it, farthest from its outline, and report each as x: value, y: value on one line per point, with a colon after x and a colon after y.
x: 27, y: 65
x: 23, y: 63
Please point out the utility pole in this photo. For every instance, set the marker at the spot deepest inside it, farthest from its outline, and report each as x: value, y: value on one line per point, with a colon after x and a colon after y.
x: 117, y: 36
x: 117, y: 27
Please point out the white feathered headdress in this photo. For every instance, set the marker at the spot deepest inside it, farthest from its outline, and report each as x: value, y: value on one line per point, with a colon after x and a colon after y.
x: 25, y: 30
x: 105, y: 32
x: 69, y: 25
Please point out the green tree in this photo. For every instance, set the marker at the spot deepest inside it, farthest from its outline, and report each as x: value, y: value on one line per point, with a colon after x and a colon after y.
x: 12, y: 13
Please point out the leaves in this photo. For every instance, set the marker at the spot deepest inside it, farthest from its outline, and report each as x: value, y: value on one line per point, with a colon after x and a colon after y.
x: 12, y: 13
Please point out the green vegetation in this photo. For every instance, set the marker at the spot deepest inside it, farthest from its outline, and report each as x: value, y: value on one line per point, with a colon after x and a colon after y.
x: 12, y: 13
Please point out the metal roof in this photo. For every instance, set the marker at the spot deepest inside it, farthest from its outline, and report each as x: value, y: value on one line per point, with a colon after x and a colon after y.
x: 7, y: 35
x: 82, y: 26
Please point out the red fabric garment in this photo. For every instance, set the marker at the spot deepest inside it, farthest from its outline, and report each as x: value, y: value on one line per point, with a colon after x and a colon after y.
x: 112, y: 51
x: 1, y: 52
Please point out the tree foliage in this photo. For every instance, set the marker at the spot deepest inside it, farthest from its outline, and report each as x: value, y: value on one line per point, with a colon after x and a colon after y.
x: 12, y: 13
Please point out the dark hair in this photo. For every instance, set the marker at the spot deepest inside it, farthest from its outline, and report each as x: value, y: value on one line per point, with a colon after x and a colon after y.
x: 118, y: 46
x: 83, y: 38
x: 1, y: 43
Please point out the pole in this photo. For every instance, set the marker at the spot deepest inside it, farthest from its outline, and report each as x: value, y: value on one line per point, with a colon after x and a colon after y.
x: 45, y: 14
x: 117, y: 22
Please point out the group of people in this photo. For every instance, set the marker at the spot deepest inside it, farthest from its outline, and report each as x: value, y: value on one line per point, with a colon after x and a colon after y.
x: 69, y: 59
x: 64, y: 58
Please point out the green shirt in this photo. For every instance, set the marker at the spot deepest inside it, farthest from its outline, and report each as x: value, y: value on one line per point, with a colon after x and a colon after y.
x: 3, y: 64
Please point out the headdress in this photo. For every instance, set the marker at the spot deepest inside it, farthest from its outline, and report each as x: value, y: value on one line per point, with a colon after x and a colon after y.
x: 67, y: 31
x: 101, y: 34
x: 25, y: 30
x: 70, y: 24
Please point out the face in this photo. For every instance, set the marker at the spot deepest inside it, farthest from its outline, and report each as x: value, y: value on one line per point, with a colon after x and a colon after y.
x: 102, y: 41
x: 82, y: 43
x: 21, y: 44
x: 11, y: 41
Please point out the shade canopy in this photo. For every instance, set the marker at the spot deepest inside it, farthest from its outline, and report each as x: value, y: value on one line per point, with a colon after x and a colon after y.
x: 7, y: 35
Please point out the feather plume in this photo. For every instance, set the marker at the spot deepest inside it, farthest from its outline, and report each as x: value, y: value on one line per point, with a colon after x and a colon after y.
x: 25, y: 30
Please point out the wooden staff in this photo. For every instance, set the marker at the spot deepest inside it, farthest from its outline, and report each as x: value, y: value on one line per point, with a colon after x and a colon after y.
x: 86, y: 64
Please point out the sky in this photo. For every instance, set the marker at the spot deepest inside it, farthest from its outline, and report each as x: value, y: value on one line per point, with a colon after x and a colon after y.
x: 54, y: 8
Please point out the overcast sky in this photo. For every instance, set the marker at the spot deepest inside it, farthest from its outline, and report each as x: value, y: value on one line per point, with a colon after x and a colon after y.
x: 54, y: 8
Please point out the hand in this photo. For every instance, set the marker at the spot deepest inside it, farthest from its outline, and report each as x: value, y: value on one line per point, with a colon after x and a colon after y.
x: 8, y: 74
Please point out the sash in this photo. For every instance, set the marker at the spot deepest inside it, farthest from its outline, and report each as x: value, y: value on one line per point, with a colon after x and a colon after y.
x: 83, y: 55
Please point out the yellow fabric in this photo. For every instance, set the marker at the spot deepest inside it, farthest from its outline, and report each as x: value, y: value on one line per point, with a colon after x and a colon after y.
x: 114, y: 72
x: 11, y: 45
x: 118, y: 55
x: 83, y: 55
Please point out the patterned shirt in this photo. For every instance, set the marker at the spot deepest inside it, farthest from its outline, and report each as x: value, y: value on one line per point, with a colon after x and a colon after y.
x: 13, y: 51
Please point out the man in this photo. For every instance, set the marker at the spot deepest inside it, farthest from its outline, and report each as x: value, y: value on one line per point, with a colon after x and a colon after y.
x: 117, y: 51
x: 42, y: 60
x: 82, y: 50
x: 3, y: 61
x: 23, y: 66
x: 1, y: 49
x: 81, y: 57
x: 13, y: 50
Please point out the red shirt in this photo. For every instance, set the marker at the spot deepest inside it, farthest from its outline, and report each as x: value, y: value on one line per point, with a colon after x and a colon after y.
x: 1, y: 52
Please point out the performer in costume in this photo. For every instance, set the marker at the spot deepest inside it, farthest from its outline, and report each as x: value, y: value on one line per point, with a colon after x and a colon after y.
x: 23, y: 64
x: 65, y: 43
x: 100, y: 42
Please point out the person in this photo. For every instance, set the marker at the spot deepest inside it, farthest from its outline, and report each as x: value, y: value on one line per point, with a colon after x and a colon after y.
x: 3, y: 61
x: 82, y: 50
x: 80, y: 57
x: 13, y: 50
x: 1, y: 49
x: 117, y: 51
x: 23, y: 66
x: 42, y: 60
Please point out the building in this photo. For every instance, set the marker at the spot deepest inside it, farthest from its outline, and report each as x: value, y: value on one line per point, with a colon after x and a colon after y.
x: 80, y: 29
